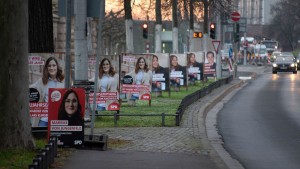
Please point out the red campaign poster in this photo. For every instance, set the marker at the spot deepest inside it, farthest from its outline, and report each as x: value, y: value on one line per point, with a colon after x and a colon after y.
x: 66, y: 115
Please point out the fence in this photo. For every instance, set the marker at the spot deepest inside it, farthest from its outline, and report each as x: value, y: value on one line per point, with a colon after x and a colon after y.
x: 116, y: 116
x: 191, y: 98
x: 46, y: 156
x: 186, y: 101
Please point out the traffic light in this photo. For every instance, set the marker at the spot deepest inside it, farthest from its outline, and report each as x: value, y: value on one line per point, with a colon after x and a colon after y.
x: 212, y: 30
x: 145, y: 30
x: 237, y: 33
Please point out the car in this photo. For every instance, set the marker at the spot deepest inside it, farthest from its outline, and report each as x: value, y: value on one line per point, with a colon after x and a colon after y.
x: 274, y: 55
x: 285, y: 63
x: 298, y: 60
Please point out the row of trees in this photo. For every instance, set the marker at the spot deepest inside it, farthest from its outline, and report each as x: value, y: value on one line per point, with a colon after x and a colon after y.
x: 285, y: 25
x: 186, y: 9
x: 15, y: 128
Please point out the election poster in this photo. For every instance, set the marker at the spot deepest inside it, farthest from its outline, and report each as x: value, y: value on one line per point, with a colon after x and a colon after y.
x: 66, y: 115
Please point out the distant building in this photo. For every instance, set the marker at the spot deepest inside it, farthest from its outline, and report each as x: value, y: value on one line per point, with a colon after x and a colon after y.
x: 256, y: 11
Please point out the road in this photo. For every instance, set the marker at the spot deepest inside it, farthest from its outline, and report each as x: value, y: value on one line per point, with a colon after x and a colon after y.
x: 260, y: 125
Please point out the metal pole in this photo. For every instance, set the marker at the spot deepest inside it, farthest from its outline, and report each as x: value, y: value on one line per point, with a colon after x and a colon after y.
x: 235, y: 52
x: 68, y: 42
x: 245, y: 49
x: 99, y: 52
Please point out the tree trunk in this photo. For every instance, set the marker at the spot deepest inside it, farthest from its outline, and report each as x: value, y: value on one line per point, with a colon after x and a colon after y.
x: 80, y: 39
x: 40, y: 26
x: 15, y: 128
x: 191, y: 35
x: 158, y: 26
x: 129, y: 26
x: 175, y: 26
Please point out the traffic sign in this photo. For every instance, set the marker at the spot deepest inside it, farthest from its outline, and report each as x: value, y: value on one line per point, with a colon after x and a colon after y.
x: 235, y: 16
x: 216, y: 44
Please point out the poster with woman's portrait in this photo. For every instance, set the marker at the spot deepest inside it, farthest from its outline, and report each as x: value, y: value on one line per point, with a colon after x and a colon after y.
x: 160, y: 72
x: 210, y: 64
x: 195, y: 67
x: 108, y: 87
x: 177, y: 70
x: 137, y: 78
x: 66, y: 115
x: 46, y: 70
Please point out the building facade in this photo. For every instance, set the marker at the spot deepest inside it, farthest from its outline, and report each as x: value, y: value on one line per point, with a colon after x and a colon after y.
x: 256, y: 11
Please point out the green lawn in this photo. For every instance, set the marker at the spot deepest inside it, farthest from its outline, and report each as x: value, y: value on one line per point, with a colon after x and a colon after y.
x: 164, y: 104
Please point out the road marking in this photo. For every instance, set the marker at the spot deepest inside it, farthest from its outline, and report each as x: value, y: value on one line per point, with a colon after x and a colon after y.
x: 245, y: 77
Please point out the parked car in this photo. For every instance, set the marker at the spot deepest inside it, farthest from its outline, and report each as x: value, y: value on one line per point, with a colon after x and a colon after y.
x: 285, y: 64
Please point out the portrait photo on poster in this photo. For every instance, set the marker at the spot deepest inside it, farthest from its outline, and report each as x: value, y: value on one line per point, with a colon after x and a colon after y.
x: 160, y: 73
x: 210, y: 64
x: 177, y: 71
x: 194, y: 68
x: 45, y: 72
x: 107, y: 86
x: 66, y: 115
x: 138, y: 67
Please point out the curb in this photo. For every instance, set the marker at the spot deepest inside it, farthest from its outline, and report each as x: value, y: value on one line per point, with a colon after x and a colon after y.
x: 221, y: 157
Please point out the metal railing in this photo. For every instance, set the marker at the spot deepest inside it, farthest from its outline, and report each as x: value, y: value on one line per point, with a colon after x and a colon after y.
x: 117, y: 115
x: 186, y: 101
x: 46, y: 155
x: 191, y: 98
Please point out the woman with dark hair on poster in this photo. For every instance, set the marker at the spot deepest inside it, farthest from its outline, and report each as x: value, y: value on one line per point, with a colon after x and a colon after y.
x: 175, y: 67
x: 157, y: 86
x: 108, y: 80
x: 141, y: 76
x: 191, y: 64
x: 70, y: 109
x: 52, y: 77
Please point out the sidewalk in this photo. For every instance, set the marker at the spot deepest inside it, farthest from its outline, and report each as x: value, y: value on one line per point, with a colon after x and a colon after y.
x: 183, y: 147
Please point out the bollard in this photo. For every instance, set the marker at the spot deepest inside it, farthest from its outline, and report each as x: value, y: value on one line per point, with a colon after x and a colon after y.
x: 38, y: 162
x: 45, y: 158
x: 54, y: 140
x: 32, y: 166
x: 51, y: 156
x: 47, y: 151
x: 42, y: 159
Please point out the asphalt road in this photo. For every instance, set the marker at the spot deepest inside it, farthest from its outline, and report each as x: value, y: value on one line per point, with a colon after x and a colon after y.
x: 260, y: 124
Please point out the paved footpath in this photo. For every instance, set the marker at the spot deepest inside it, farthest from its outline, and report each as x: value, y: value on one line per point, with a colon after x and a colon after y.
x: 184, y: 147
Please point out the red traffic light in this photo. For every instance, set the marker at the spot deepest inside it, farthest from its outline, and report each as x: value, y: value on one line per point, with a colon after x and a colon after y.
x: 145, y: 30
x: 212, y: 30
x: 145, y: 26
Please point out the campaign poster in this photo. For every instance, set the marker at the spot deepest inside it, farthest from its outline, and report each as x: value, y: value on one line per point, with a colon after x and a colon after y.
x: 178, y: 71
x: 66, y: 115
x: 160, y: 72
x: 46, y: 70
x: 108, y: 85
x: 210, y: 64
x: 194, y: 67
x: 137, y: 78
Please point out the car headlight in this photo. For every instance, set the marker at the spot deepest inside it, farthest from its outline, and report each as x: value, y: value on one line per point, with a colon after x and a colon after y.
x: 292, y: 65
x: 274, y: 65
x: 298, y: 60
